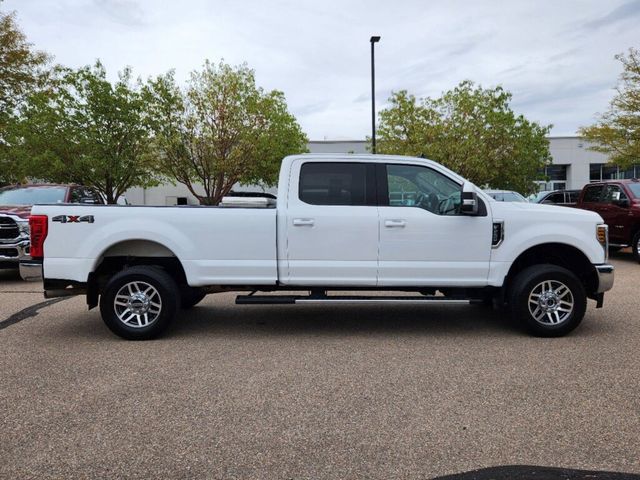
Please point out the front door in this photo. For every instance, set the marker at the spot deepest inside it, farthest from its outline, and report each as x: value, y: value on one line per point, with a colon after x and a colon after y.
x: 424, y: 241
x: 617, y: 215
x: 331, y: 225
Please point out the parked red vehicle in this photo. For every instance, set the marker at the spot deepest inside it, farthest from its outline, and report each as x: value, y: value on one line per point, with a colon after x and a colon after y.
x: 618, y: 203
x: 15, y: 206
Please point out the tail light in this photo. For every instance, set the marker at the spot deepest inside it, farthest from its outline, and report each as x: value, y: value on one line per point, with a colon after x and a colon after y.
x: 38, y: 224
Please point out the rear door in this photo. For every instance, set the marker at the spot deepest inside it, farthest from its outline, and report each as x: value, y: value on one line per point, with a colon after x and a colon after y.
x: 592, y: 200
x: 331, y: 224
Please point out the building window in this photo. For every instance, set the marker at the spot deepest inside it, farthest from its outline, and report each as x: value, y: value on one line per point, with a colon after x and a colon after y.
x: 604, y: 171
x: 595, y: 172
x: 556, y: 172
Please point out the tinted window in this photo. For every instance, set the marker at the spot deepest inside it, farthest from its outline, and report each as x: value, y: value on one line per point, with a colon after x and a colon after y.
x: 497, y: 196
x: 84, y: 195
x: 592, y: 194
x: 557, y: 197
x: 333, y: 183
x: 573, y: 196
x: 416, y: 186
x: 32, y: 195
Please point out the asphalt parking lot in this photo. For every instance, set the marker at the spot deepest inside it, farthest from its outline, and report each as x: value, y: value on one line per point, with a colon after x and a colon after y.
x: 315, y: 392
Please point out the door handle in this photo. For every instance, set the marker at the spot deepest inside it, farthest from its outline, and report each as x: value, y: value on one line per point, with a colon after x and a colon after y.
x: 303, y: 222
x: 395, y: 223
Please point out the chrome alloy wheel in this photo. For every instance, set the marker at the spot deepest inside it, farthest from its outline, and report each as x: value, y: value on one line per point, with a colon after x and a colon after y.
x: 550, y: 302
x: 137, y: 304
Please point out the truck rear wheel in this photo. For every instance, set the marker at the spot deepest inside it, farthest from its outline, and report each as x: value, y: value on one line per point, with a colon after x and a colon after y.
x: 549, y: 301
x: 139, y: 303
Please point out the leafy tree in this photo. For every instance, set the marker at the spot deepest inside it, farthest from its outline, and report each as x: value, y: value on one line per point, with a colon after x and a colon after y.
x: 470, y: 130
x: 220, y: 130
x: 617, y: 132
x: 89, y: 131
x: 22, y: 70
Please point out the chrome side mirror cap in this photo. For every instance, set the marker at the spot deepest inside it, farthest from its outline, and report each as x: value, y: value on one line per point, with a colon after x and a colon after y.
x: 470, y: 202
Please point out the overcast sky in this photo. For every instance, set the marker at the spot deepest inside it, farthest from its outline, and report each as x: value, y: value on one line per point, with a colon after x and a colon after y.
x: 556, y: 57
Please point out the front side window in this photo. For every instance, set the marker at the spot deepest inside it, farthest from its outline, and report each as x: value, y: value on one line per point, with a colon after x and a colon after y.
x: 417, y: 186
x: 613, y: 193
x: 327, y: 183
x: 592, y: 194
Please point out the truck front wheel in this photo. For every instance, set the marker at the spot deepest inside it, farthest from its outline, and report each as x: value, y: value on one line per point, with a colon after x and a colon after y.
x: 635, y: 246
x: 549, y: 301
x: 139, y: 303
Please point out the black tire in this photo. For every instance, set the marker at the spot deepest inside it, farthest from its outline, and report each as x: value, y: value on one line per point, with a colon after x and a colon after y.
x: 190, y: 297
x: 524, y: 303
x: 635, y: 246
x: 163, y: 288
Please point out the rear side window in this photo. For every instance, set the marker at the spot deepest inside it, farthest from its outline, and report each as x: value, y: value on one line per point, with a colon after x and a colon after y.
x: 573, y: 197
x: 326, y: 183
x: 592, y: 194
x: 85, y: 195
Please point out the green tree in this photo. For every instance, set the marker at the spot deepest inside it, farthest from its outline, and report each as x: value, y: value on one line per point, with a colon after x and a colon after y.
x: 470, y: 130
x: 22, y: 70
x: 220, y: 130
x: 617, y: 131
x: 90, y: 131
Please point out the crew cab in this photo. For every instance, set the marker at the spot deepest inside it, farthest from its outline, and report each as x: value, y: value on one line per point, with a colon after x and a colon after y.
x: 15, y: 207
x: 364, y: 223
x: 618, y: 203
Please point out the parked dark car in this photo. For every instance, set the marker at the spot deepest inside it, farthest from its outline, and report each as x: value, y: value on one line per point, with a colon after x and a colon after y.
x: 15, y: 206
x: 560, y: 197
x: 618, y: 203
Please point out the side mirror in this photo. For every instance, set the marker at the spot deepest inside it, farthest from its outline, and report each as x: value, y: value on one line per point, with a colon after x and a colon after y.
x: 469, y: 204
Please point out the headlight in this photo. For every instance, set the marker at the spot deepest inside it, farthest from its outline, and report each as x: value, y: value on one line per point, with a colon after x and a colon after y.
x: 23, y: 226
x: 602, y: 234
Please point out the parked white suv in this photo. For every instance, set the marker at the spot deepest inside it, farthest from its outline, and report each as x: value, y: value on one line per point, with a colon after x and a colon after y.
x: 341, y: 222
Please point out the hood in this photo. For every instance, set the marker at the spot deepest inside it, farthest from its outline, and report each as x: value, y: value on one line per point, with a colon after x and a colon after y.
x: 542, y: 211
x: 22, y: 211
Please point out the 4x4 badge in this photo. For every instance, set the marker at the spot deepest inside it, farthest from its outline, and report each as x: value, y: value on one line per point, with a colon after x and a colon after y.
x: 73, y: 219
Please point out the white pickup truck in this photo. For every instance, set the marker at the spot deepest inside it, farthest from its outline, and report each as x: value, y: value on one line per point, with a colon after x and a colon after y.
x: 364, y: 223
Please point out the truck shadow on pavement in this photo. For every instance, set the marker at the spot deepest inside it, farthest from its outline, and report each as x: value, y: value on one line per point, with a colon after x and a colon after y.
x: 463, y: 321
x: 215, y: 318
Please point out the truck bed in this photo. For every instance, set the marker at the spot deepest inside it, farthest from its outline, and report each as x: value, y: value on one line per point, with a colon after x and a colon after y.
x: 215, y: 245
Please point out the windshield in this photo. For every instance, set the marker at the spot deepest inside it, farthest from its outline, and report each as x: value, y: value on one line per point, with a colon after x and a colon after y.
x: 635, y: 189
x: 32, y: 195
x: 507, y: 196
x: 513, y: 197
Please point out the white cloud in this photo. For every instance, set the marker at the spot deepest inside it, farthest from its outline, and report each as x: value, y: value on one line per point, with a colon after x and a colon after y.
x: 555, y: 57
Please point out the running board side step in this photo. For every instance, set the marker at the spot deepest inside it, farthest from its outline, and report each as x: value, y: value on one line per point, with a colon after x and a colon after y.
x: 302, y: 299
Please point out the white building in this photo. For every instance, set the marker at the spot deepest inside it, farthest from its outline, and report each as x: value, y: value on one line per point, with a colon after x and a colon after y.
x: 573, y: 166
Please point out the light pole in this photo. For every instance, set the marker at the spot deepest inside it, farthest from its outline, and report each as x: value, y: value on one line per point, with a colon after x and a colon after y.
x: 373, y: 40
